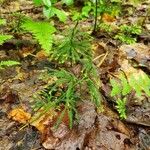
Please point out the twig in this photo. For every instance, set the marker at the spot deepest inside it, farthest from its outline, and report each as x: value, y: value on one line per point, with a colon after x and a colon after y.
x: 98, y: 57
x: 100, y: 63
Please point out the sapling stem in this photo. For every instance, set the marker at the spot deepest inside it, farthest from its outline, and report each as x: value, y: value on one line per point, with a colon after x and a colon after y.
x: 95, y: 20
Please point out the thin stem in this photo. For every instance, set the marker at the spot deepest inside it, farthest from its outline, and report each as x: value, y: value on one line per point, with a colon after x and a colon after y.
x: 95, y: 23
x: 73, y: 32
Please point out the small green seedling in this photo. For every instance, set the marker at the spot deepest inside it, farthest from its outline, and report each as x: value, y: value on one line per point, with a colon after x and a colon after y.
x: 127, y: 34
x: 122, y: 88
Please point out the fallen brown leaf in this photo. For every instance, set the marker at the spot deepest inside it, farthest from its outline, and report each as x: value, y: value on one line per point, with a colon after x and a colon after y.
x: 108, y: 18
x: 18, y: 114
x: 41, y: 55
x: 41, y: 121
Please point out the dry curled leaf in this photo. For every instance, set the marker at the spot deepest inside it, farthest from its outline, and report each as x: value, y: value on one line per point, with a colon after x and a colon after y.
x: 18, y: 114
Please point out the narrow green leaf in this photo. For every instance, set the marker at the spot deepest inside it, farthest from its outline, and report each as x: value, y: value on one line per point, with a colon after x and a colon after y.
x: 116, y: 88
x: 8, y: 63
x: 47, y: 3
x: 68, y: 2
x: 37, y: 2
x: 3, y: 38
x: 60, y: 14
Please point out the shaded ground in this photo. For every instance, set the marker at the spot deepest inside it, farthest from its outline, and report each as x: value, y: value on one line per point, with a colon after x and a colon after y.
x: 95, y: 130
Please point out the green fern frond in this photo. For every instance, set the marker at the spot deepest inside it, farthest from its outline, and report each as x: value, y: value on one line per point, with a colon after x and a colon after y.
x: 126, y: 88
x: 121, y: 108
x: 42, y: 32
x: 8, y: 63
x: 67, y: 97
x: 63, y: 76
x: 2, y: 21
x: 89, y: 69
x: 3, y: 38
x: 140, y: 84
x: 116, y: 87
x: 73, y: 47
x: 94, y: 92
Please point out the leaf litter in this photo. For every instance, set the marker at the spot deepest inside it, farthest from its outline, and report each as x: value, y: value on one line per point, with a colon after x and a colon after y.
x: 94, y: 130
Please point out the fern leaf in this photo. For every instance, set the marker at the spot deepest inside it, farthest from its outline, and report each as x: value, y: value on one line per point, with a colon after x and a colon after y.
x: 42, y: 32
x: 37, y: 2
x: 116, y: 87
x: 68, y: 2
x: 2, y: 21
x: 126, y: 88
x: 8, y: 63
x: 60, y: 14
x: 94, y: 92
x: 121, y: 108
x: 3, y: 38
x: 140, y: 84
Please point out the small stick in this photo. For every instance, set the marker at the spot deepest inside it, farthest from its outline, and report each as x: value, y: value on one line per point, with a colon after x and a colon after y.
x: 100, y: 63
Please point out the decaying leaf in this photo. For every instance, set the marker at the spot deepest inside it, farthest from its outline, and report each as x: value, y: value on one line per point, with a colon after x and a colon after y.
x: 138, y: 53
x: 50, y: 143
x: 18, y: 114
x: 41, y: 121
x: 108, y: 18
x: 41, y: 55
x: 26, y: 51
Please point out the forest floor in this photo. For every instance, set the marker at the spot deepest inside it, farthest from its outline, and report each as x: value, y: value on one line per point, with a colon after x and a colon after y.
x: 95, y: 130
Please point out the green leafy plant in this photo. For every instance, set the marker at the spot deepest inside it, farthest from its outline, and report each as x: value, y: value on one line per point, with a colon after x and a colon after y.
x: 70, y: 93
x: 42, y: 32
x: 140, y: 84
x: 118, y: 91
x: 98, y: 8
x: 127, y: 34
x: 73, y: 47
x: 8, y: 63
x: 124, y: 33
x: 68, y: 2
x: 121, y: 107
x: 3, y: 37
x: 49, y: 10
x: 64, y: 93
x: 106, y: 27
x: 64, y: 87
x: 92, y: 80
x: 122, y: 88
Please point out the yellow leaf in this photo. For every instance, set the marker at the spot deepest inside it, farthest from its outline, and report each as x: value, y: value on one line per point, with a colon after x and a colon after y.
x: 108, y: 18
x: 19, y: 115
